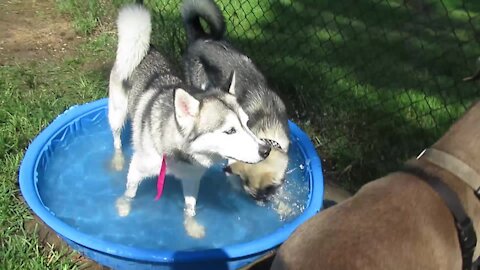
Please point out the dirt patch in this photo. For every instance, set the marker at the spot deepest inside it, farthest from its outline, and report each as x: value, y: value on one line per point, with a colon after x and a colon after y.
x: 34, y: 30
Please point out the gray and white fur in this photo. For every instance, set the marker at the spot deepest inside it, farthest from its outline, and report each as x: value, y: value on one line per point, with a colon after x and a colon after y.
x: 208, y: 61
x: 192, y: 127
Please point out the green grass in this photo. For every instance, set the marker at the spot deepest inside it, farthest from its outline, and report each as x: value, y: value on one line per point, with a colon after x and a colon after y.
x: 372, y: 84
x: 31, y: 96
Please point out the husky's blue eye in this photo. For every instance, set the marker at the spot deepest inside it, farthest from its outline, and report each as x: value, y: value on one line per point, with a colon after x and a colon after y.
x: 230, y: 131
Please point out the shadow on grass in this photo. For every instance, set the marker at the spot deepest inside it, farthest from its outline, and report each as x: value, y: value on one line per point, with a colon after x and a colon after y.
x: 373, y: 82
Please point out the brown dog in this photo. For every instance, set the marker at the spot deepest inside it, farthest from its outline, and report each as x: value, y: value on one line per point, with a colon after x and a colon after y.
x: 395, y: 222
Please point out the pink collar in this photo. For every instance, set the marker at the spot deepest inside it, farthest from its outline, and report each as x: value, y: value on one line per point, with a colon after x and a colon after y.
x: 161, y: 178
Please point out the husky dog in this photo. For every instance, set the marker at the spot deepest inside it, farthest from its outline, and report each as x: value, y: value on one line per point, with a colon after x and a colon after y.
x: 208, y: 60
x: 192, y: 127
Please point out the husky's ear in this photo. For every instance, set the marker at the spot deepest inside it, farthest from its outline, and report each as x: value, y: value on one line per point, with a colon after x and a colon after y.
x: 186, y: 109
x: 212, y: 72
x: 230, y: 85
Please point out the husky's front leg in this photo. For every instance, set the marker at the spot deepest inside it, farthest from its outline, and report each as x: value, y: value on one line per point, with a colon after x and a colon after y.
x: 190, y: 191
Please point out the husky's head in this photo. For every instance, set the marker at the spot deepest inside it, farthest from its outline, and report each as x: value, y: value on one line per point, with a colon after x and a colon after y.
x: 214, y: 123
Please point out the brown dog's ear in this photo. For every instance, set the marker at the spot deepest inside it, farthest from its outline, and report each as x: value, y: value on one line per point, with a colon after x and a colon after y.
x: 237, y: 167
x: 267, y: 179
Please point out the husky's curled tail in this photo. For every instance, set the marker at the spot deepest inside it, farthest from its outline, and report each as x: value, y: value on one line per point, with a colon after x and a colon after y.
x: 134, y: 29
x: 193, y: 10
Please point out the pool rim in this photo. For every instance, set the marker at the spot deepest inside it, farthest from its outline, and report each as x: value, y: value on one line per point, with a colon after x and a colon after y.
x: 28, y: 179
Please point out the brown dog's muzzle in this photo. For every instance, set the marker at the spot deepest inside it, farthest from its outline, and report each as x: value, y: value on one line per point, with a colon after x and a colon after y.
x: 266, y: 193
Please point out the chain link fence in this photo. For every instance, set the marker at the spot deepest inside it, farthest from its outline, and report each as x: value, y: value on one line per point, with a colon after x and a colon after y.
x: 373, y: 82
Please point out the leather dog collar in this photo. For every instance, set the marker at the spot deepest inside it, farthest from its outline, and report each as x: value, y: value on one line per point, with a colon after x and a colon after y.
x: 453, y: 165
x: 466, y: 232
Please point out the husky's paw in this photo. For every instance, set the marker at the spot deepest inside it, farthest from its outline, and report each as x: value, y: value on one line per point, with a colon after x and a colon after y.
x: 193, y: 228
x: 189, y: 212
x: 118, y: 161
x: 123, y: 205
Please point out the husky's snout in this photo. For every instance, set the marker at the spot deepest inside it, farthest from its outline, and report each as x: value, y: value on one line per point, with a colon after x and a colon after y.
x: 264, y: 150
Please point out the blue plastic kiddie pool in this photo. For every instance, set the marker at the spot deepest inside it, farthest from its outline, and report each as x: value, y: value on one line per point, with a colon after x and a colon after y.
x: 66, y: 179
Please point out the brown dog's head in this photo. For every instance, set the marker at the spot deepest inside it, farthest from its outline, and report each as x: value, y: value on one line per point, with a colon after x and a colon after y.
x: 262, y: 179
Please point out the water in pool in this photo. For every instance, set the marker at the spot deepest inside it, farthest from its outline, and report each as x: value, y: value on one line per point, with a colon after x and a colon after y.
x: 77, y: 185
